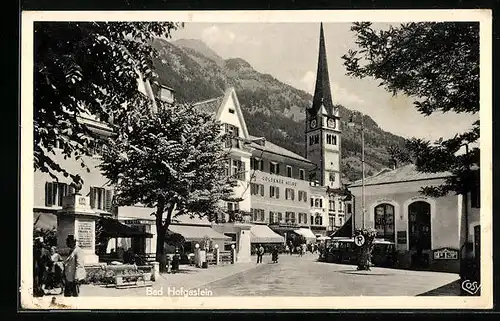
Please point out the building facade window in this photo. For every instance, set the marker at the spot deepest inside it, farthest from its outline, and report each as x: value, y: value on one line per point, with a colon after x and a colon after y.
x: 232, y: 140
x: 274, y: 192
x: 331, y: 221
x: 302, y: 218
x: 341, y: 220
x: 318, y: 202
x: 275, y: 217
x: 331, y: 139
x: 341, y: 207
x: 233, y: 206
x: 302, y: 174
x: 331, y: 204
x: 314, y: 139
x: 384, y: 221
x: 257, y: 164
x: 55, y: 192
x: 303, y: 196
x: 100, y: 198
x: 236, y: 169
x: 256, y: 189
x: 289, y: 194
x: 331, y: 177
x: 289, y: 171
x: 258, y: 215
x: 274, y: 168
x: 290, y: 217
x: 349, y: 208
x: 318, y: 220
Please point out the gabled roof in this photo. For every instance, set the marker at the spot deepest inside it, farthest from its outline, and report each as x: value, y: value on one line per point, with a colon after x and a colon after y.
x: 215, y: 105
x: 405, y: 173
x: 210, y: 105
x: 273, y: 148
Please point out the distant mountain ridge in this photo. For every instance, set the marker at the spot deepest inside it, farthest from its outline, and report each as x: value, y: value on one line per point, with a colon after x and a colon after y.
x: 271, y: 108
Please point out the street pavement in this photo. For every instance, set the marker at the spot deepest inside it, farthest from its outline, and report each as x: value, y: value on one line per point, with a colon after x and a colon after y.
x: 304, y: 276
x: 295, y: 276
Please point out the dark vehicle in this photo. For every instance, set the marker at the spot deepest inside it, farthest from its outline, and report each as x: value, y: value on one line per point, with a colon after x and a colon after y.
x: 344, y: 251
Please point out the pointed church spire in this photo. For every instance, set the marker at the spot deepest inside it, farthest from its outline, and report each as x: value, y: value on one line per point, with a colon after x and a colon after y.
x: 322, y: 91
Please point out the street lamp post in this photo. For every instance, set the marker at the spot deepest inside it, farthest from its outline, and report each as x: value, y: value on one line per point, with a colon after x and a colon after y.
x: 351, y: 124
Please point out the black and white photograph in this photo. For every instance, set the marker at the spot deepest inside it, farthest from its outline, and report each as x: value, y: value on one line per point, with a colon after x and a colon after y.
x: 198, y: 160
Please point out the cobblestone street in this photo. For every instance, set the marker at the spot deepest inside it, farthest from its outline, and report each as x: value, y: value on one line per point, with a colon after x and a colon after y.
x: 303, y: 276
x: 295, y: 276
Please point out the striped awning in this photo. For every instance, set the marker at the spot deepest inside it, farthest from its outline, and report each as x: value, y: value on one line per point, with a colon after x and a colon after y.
x: 193, y: 233
x: 305, y: 232
x: 263, y: 234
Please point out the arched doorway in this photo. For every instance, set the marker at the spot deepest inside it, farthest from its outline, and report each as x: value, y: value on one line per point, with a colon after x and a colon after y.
x: 420, y: 233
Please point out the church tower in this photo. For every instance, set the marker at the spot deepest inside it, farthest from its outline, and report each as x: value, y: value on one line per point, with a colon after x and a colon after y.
x: 323, y: 132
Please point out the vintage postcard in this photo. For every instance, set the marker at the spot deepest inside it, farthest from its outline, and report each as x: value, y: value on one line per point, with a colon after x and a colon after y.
x: 257, y: 159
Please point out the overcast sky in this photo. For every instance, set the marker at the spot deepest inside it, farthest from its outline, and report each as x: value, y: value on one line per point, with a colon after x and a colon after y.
x: 289, y: 52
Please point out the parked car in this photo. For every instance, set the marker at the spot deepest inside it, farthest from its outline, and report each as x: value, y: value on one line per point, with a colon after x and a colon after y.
x: 344, y: 251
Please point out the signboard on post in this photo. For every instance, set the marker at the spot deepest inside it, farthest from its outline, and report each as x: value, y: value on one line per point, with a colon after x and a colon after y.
x: 359, y: 240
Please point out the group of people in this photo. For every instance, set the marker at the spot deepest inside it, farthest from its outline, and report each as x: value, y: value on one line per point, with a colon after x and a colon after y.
x: 301, y: 249
x: 260, y: 251
x: 51, y: 271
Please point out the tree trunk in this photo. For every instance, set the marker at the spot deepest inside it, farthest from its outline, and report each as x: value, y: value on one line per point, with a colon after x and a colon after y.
x: 160, y: 237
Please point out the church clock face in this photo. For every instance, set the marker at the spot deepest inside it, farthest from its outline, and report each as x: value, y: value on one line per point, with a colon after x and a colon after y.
x: 331, y: 123
x: 313, y: 123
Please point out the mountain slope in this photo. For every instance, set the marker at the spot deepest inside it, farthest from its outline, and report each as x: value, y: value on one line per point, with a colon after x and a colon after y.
x: 271, y: 108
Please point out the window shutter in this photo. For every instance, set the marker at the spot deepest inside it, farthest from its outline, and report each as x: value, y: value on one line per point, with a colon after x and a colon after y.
x: 48, y: 194
x: 109, y: 198
x: 92, y: 197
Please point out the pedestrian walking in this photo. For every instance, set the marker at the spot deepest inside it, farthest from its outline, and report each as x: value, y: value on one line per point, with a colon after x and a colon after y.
x: 275, y: 254
x: 260, y: 254
x: 74, y: 271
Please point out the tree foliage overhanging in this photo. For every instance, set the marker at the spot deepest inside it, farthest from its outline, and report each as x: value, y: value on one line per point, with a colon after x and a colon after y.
x: 173, y: 161
x: 437, y: 64
x: 83, y: 68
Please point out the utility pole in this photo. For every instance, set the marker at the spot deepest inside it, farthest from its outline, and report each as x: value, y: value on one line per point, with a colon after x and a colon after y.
x: 363, y: 167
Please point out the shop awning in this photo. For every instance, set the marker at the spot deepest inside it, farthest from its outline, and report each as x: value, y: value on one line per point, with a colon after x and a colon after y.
x: 305, y: 232
x: 113, y: 228
x: 263, y: 234
x: 345, y: 230
x: 197, y: 233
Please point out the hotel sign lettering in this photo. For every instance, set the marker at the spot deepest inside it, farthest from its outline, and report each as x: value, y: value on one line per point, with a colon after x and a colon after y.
x: 446, y: 254
x: 279, y: 181
x: 85, y: 234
